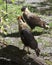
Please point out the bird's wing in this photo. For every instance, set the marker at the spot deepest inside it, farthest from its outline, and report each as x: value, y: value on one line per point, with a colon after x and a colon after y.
x: 27, y: 34
x: 29, y: 39
x: 33, y: 17
x: 21, y: 35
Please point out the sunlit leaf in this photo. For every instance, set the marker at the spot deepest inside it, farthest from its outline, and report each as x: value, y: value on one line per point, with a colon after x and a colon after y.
x: 13, y: 1
x: 48, y: 62
x: 4, y: 12
x: 8, y: 26
x: 2, y: 28
x: 5, y: 33
x: 1, y: 1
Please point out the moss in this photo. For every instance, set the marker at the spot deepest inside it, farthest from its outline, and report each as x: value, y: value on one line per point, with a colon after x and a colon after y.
x: 44, y: 54
x: 48, y: 62
x: 38, y: 29
x: 50, y: 24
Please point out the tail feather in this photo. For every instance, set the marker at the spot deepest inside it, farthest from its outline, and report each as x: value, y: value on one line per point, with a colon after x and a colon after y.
x: 47, y: 26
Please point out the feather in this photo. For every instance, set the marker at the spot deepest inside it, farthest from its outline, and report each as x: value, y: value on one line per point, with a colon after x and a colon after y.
x: 27, y: 37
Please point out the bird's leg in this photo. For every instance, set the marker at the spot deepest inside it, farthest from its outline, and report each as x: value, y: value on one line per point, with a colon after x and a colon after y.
x: 28, y: 50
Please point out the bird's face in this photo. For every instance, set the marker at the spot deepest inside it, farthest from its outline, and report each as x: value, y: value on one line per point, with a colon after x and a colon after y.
x: 23, y: 8
x: 20, y: 21
x: 22, y: 25
x: 26, y: 10
x: 19, y: 17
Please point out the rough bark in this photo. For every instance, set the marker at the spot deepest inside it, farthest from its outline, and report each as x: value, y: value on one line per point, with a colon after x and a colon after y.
x: 12, y: 55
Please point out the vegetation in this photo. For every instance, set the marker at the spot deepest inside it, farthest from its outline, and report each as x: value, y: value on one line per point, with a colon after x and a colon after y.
x: 48, y: 62
x: 10, y: 16
x: 7, y: 17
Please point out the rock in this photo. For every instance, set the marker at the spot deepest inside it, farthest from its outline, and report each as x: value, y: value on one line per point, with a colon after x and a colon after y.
x: 46, y: 58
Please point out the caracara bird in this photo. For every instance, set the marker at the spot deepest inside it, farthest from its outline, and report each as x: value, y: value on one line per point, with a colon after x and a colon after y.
x: 27, y: 37
x: 32, y: 20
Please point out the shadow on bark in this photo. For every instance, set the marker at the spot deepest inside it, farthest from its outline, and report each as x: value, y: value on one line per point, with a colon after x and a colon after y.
x: 12, y: 55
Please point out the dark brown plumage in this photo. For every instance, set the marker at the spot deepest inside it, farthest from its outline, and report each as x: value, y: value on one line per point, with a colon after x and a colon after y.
x: 32, y: 20
x: 27, y: 37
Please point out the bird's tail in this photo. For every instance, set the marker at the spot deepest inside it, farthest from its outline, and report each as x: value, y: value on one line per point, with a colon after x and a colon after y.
x: 46, y: 26
x: 37, y: 51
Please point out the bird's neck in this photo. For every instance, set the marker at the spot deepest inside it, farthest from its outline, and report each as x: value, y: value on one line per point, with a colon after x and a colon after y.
x: 22, y: 25
x: 27, y: 11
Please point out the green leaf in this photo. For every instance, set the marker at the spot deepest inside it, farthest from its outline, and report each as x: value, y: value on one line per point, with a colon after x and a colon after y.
x: 2, y: 28
x: 13, y: 1
x: 1, y: 1
x: 5, y: 33
x: 48, y: 62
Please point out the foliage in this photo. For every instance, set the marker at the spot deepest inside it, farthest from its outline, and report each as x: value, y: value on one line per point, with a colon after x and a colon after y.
x: 13, y: 1
x: 10, y: 16
x: 3, y: 22
x: 49, y: 1
x: 48, y: 62
x: 1, y: 1
x: 38, y: 29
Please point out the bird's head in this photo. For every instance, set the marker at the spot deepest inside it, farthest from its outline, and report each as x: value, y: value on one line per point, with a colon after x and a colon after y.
x: 25, y: 9
x: 22, y: 25
x: 20, y: 21
x: 19, y: 17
